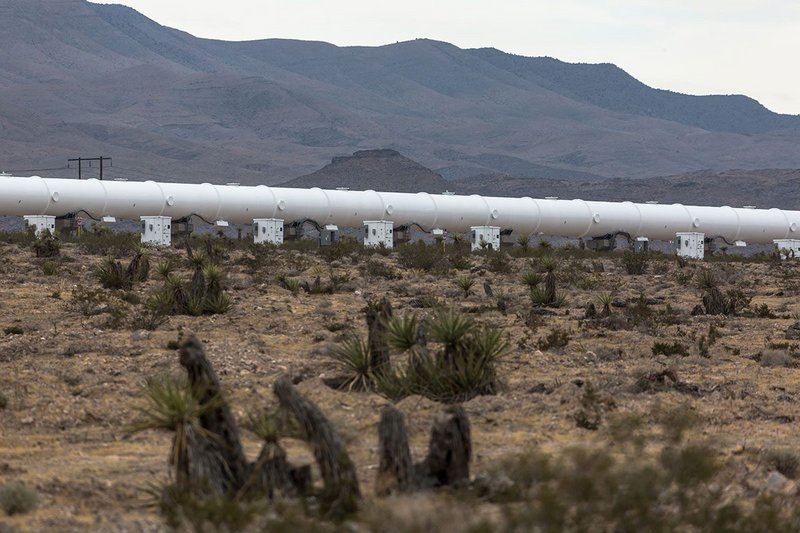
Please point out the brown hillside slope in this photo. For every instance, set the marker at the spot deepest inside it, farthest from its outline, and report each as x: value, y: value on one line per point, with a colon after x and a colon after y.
x: 380, y: 170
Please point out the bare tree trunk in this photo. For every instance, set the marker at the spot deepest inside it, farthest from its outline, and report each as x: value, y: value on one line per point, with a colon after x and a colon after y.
x: 219, y: 419
x: 377, y: 315
x: 449, y: 451
x: 272, y: 475
x: 341, y: 493
x: 550, y: 288
x: 395, y: 472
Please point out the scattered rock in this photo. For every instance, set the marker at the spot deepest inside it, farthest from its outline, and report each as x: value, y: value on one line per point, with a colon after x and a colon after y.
x: 140, y: 335
x: 793, y: 332
x: 776, y: 481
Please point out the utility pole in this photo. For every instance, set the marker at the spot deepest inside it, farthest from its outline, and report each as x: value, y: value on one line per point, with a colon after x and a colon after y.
x: 80, y: 161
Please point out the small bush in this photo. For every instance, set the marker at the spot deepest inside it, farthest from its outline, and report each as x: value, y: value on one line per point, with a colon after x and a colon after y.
x: 113, y: 275
x: 776, y: 359
x: 16, y: 498
x: 785, y: 461
x: 47, y: 245
x: 422, y: 256
x: 378, y: 269
x: 13, y: 330
x: 556, y: 339
x: 49, y: 268
x: 669, y: 349
x: 635, y: 264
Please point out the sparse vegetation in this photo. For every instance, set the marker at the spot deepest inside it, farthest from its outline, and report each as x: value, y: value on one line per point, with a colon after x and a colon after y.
x: 16, y: 498
x: 605, y: 387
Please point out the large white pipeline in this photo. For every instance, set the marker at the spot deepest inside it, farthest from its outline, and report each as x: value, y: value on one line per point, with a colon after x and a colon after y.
x: 21, y: 196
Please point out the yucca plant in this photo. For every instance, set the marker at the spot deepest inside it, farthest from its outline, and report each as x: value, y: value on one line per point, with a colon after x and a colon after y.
x: 194, y: 305
x: 213, y: 275
x: 139, y: 267
x: 531, y: 279
x: 169, y: 402
x: 165, y: 268
x: 112, y: 276
x: 172, y: 404
x: 524, y: 242
x: 266, y: 425
x: 199, y: 260
x: 706, y: 280
x: 605, y: 299
x: 448, y: 326
x: 402, y: 332
x: 218, y: 304
x: 353, y: 357
x: 465, y: 283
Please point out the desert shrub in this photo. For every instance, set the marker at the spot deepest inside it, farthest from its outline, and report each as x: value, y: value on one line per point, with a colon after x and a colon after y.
x: 16, y: 498
x: 202, y: 294
x: 556, y: 339
x: 613, y: 486
x: 47, y: 245
x: 669, y: 349
x: 421, y: 256
x: 49, y: 268
x: 201, y: 510
x: 459, y: 260
x: 783, y: 460
x: 101, y: 240
x: 13, y: 330
x: 454, y: 361
x: 498, y: 262
x: 775, y: 359
x: 112, y: 275
x: 635, y: 264
x: 345, y: 247
x: 589, y: 414
x: 379, y: 269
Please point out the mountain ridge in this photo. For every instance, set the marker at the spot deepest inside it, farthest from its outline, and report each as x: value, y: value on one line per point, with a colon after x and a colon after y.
x: 79, y: 78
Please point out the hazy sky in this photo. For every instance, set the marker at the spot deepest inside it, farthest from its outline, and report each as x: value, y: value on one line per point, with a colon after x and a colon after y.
x: 694, y: 46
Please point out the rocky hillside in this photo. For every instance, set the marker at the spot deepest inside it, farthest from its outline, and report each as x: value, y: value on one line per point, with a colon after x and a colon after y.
x: 79, y: 79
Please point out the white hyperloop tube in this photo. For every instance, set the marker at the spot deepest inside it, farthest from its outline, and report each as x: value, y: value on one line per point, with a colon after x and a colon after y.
x: 21, y: 196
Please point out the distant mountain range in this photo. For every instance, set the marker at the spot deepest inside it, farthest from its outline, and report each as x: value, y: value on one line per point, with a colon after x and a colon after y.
x: 384, y: 170
x: 82, y: 79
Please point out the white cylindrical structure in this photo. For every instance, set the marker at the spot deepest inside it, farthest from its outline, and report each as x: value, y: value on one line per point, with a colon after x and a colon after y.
x: 21, y: 196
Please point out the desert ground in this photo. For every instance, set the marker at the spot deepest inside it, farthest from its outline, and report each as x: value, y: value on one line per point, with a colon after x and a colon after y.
x: 629, y: 382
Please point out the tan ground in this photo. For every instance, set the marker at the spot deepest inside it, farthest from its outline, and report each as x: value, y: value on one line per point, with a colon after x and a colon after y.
x: 72, y: 384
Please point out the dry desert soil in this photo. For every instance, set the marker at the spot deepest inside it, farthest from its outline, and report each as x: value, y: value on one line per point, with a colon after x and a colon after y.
x: 72, y: 372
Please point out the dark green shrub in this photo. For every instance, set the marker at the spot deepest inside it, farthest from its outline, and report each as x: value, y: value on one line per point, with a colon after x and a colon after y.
x: 669, y: 349
x: 13, y: 330
x: 47, y: 245
x: 16, y: 498
x: 556, y: 339
x: 635, y: 264
x: 421, y: 256
x: 49, y: 268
